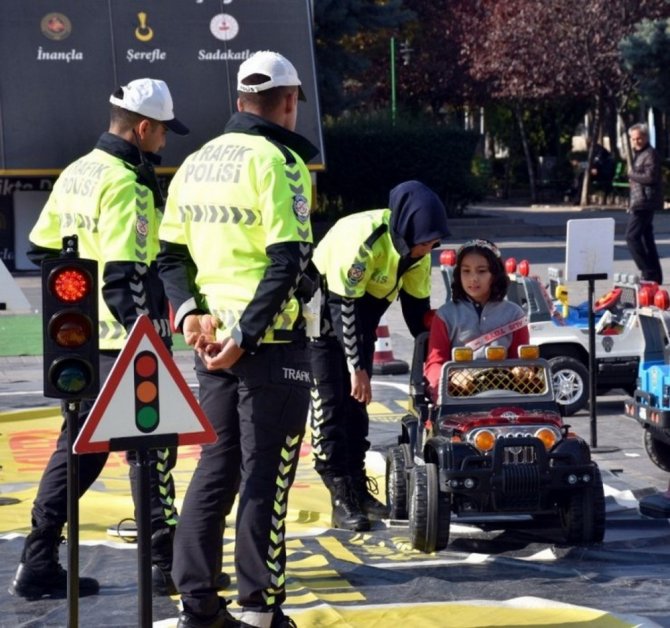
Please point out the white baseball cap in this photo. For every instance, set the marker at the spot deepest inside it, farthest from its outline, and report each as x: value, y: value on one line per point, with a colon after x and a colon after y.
x: 277, y: 68
x: 150, y: 98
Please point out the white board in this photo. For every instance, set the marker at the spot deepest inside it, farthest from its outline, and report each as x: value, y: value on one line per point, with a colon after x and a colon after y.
x: 12, y: 298
x: 589, y: 248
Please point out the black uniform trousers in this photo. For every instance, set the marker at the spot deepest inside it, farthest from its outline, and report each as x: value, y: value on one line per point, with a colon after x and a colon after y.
x: 642, y: 246
x: 50, y: 506
x: 258, y: 409
x: 339, y: 423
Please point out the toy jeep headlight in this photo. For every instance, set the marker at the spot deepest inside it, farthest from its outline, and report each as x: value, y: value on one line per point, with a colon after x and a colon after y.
x: 484, y: 440
x: 461, y: 354
x: 529, y: 352
x: 548, y: 437
x: 496, y: 353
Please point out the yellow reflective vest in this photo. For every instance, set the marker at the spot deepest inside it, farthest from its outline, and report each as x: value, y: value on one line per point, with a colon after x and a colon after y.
x: 357, y: 256
x: 99, y: 199
x: 229, y: 202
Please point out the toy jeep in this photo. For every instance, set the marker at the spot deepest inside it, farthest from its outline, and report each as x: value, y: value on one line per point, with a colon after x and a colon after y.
x: 494, y: 444
x: 561, y: 332
x: 650, y: 403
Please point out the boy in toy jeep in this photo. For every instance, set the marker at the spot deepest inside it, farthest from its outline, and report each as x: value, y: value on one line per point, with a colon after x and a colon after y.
x: 478, y: 315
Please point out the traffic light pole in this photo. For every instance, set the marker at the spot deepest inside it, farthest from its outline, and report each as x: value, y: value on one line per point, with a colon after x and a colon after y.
x: 71, y: 411
x: 143, y: 514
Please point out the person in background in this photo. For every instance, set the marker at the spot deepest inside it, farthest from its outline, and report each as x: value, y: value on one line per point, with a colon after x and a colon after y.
x: 646, y: 197
x: 366, y: 261
x: 477, y: 316
x: 110, y: 198
x: 236, y: 244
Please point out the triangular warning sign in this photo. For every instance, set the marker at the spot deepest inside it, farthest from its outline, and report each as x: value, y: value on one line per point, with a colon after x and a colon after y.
x: 115, y: 412
x: 12, y: 298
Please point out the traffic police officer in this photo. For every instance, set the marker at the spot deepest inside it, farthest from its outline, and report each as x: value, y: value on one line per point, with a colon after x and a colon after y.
x: 366, y: 260
x: 111, y: 200
x: 236, y: 241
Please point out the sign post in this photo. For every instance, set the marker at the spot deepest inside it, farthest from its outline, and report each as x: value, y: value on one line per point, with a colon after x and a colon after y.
x: 144, y: 404
x: 589, y: 257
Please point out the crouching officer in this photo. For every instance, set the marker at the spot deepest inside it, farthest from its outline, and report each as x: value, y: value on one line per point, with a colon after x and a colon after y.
x: 236, y: 241
x: 366, y: 261
x: 111, y: 200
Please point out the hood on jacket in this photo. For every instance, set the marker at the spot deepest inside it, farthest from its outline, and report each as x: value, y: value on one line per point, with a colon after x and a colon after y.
x: 417, y: 216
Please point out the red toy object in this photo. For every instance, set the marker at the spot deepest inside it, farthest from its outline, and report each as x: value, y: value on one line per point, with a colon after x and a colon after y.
x: 606, y: 302
x: 524, y: 268
x: 646, y: 296
x: 662, y: 300
x: 428, y: 319
x: 448, y: 257
x: 510, y: 265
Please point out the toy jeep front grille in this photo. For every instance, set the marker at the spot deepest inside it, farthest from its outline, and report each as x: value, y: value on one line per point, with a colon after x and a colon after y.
x: 468, y: 381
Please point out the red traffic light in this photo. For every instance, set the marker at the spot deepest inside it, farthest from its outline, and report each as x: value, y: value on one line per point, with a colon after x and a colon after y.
x: 70, y: 284
x: 70, y: 325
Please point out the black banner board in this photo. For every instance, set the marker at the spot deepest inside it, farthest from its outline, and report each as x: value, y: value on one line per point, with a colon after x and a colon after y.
x: 61, y: 59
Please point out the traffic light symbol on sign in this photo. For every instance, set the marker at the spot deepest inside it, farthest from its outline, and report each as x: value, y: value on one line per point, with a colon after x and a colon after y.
x: 70, y: 328
x: 147, y: 411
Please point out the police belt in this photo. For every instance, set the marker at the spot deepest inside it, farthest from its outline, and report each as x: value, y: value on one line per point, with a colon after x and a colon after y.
x: 289, y: 335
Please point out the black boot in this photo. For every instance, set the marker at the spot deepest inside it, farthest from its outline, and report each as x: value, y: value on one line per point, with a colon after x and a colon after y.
x: 40, y: 574
x: 161, y: 559
x: 365, y: 488
x: 347, y: 513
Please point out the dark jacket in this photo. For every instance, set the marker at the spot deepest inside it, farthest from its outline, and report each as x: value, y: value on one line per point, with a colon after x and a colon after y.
x: 646, y: 182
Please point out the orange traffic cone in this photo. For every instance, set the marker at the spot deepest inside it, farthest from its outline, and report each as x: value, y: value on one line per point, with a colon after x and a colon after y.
x: 383, y: 362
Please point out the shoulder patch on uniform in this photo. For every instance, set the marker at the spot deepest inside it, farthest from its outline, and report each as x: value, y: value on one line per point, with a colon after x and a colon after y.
x: 355, y: 273
x: 301, y: 208
x: 142, y: 227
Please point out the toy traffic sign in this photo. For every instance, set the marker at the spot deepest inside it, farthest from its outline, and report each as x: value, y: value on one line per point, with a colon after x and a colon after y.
x: 145, y: 401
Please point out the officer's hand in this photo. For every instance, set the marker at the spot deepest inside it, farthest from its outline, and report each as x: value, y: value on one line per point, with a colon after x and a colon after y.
x: 361, y: 390
x: 195, y: 325
x: 218, y: 355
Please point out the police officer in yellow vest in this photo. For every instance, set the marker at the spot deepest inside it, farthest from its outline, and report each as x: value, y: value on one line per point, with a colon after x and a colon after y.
x: 236, y: 241
x: 367, y: 260
x: 111, y: 200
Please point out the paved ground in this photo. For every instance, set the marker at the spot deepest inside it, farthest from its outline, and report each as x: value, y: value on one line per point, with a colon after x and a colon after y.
x: 627, y: 576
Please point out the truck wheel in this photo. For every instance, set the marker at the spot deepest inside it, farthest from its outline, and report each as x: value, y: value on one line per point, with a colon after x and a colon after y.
x: 657, y: 450
x: 571, y: 383
x: 429, y: 511
x: 398, y: 460
x: 582, y: 515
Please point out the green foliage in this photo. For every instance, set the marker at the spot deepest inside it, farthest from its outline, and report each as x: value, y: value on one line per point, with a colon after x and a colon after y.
x: 646, y: 54
x: 341, y: 28
x: 366, y: 156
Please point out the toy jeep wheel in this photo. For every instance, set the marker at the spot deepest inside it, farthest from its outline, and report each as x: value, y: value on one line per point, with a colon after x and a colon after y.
x: 429, y: 510
x: 657, y: 450
x: 571, y: 383
x: 582, y: 515
x: 398, y: 460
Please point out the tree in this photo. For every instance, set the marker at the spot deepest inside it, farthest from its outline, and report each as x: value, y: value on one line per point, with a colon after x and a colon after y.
x: 342, y: 30
x: 532, y: 50
x: 646, y: 55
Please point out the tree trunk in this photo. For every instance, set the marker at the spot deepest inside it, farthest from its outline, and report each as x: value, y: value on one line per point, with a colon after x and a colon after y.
x: 625, y: 142
x: 526, y: 151
x: 593, y: 136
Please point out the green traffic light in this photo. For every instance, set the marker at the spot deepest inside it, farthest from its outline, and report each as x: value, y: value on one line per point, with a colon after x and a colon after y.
x: 70, y: 376
x: 147, y: 419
